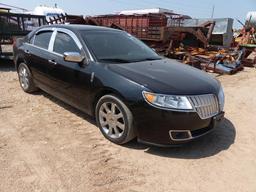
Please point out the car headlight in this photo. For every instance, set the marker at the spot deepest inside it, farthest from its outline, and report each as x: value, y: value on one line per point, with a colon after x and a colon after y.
x: 168, y: 101
x: 221, y: 97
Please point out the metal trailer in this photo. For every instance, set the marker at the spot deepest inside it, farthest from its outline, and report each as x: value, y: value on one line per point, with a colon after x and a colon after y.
x: 13, y: 25
x: 158, y: 29
x: 147, y: 27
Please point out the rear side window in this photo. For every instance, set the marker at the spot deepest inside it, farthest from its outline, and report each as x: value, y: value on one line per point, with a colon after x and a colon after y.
x: 42, y: 39
x: 64, y: 43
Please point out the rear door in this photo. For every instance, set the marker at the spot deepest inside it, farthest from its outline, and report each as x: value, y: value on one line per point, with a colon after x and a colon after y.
x: 39, y: 58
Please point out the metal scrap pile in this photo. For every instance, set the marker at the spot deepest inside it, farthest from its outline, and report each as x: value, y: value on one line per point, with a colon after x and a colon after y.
x: 215, y: 55
x: 246, y: 40
x: 223, y: 61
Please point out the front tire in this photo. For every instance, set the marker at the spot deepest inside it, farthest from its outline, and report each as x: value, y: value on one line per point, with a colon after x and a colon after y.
x: 26, y: 79
x: 114, y: 119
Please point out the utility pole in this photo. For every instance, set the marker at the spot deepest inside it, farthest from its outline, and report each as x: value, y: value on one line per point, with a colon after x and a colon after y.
x: 213, y: 9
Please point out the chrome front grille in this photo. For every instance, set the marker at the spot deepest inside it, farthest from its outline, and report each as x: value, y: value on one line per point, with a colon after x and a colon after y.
x: 206, y: 106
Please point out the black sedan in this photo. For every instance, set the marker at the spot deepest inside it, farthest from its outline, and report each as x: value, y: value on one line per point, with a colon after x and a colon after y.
x: 130, y: 89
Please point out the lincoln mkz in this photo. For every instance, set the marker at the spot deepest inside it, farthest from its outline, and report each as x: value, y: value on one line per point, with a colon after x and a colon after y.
x: 130, y: 90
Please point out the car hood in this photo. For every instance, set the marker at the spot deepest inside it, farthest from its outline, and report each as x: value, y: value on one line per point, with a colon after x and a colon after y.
x: 168, y: 76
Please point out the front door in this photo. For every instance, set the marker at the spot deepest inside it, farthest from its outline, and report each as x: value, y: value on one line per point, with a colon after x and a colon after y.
x: 73, y: 80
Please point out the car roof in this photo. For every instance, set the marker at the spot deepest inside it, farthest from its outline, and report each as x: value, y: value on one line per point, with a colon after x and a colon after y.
x: 74, y: 27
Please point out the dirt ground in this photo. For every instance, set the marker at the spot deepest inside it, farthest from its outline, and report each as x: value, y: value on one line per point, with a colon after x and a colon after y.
x: 46, y: 145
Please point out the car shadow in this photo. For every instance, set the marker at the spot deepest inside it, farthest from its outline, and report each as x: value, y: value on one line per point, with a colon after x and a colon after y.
x: 219, y: 140
x: 6, y: 65
x: 67, y: 107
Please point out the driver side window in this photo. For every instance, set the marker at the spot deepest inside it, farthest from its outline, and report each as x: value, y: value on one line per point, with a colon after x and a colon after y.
x: 64, y: 43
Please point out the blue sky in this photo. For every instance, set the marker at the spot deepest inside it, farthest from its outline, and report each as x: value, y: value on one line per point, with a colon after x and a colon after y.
x: 194, y: 8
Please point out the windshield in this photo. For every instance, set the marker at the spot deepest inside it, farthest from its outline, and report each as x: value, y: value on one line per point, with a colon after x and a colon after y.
x: 117, y: 47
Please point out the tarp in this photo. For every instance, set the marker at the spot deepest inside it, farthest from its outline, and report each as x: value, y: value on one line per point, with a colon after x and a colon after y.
x: 145, y: 11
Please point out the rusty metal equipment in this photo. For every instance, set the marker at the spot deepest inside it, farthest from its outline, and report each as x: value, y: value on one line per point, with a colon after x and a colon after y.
x: 249, y: 57
x: 246, y: 40
x: 192, y: 36
x: 66, y: 19
x: 223, y: 61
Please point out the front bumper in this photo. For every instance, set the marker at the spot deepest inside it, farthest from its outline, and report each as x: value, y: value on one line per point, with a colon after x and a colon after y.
x: 156, y: 126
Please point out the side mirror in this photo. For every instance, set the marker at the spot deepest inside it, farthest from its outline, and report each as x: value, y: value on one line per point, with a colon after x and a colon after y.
x: 73, y: 57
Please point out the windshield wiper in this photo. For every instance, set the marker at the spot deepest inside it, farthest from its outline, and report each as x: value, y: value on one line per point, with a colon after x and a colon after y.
x: 115, y: 60
x: 148, y: 59
x: 153, y: 59
x: 119, y: 60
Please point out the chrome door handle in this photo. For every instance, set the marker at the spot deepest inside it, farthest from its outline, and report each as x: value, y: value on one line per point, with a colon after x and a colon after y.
x: 52, y: 62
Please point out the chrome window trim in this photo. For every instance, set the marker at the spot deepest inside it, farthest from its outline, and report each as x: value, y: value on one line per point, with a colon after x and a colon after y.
x: 37, y: 47
x: 39, y: 31
x: 55, y: 30
x: 44, y: 49
x: 44, y: 29
x: 55, y: 53
x: 75, y: 38
x: 67, y: 32
x: 33, y: 40
x: 51, y: 43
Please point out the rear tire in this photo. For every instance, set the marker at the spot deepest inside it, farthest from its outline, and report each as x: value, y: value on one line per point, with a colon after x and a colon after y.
x: 115, y: 119
x: 26, y: 79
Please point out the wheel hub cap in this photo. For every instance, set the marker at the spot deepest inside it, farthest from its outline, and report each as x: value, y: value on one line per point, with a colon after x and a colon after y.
x: 23, y: 75
x: 111, y: 120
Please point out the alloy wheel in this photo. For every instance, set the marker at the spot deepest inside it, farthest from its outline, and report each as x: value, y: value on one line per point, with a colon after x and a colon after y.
x: 111, y: 120
x: 24, y: 77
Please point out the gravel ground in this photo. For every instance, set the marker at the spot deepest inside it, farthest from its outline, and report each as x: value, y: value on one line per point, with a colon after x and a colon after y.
x: 46, y: 145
